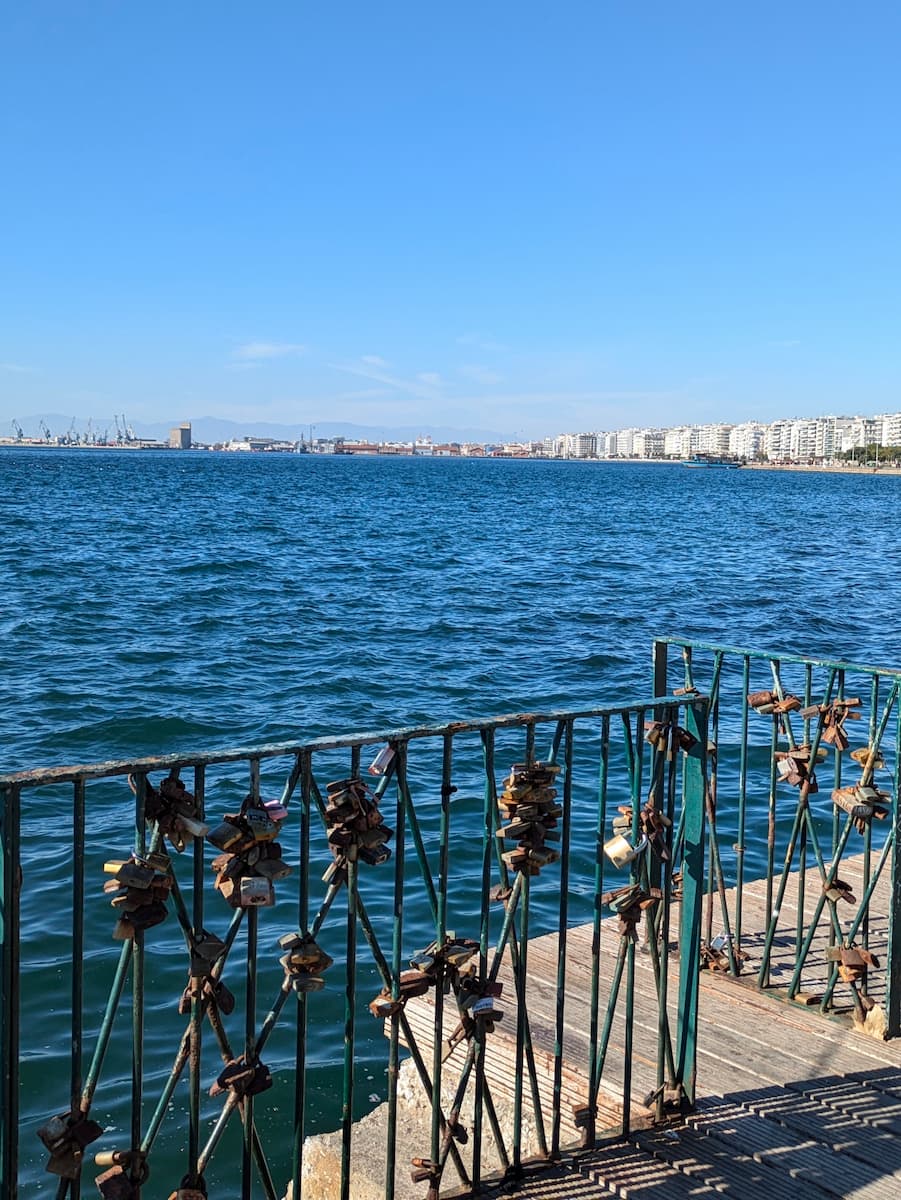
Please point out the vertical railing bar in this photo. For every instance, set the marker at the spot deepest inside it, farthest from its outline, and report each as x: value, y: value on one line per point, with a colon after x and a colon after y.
x: 397, y: 928
x: 714, y: 867
x: 10, y: 884
x: 868, y: 832
x: 742, y: 806
x: 590, y: 1134
x: 490, y: 844
x: 659, y: 657
x: 350, y: 993
x: 137, y: 996
x: 893, y: 950
x: 530, y: 743
x: 562, y: 922
x: 195, y: 1033
x: 78, y: 872
x: 663, y: 1031
x: 636, y: 762
x: 250, y: 1014
x: 836, y: 814
x: 305, y: 763
x: 692, y: 885
x: 447, y: 790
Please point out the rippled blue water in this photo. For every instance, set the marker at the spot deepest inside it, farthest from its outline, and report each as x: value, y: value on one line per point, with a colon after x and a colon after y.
x: 155, y: 602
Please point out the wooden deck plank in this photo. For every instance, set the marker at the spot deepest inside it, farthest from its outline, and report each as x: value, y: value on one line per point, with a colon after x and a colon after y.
x: 792, y: 1103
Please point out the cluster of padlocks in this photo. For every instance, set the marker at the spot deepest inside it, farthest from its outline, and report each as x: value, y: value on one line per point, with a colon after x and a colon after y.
x: 796, y: 766
x: 139, y: 889
x: 356, y: 828
x: 175, y: 810
x: 454, y: 966
x: 251, y: 859
x: 668, y: 737
x: 629, y: 903
x: 528, y: 805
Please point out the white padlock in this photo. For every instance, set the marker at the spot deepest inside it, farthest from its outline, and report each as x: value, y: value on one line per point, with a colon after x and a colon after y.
x: 621, y: 852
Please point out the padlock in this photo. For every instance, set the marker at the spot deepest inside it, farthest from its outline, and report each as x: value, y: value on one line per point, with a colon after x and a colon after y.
x: 256, y: 892
x: 763, y: 701
x: 423, y: 1169
x: 227, y: 835
x: 621, y: 852
x: 862, y: 755
x: 116, y: 1184
x: 65, y: 1137
x: 382, y: 761
x: 260, y: 825
x: 244, y: 1078
x: 206, y: 950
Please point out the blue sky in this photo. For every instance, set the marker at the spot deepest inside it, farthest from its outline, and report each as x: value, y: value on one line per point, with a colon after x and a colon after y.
x: 520, y: 216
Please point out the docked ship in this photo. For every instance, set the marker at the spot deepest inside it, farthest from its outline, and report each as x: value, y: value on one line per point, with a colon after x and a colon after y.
x: 711, y: 460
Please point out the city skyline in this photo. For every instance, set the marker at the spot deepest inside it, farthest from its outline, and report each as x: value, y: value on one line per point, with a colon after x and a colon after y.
x: 503, y: 217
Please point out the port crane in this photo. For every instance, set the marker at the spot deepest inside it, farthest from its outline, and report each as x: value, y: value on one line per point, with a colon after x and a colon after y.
x: 45, y: 430
x: 126, y: 433
x: 20, y: 433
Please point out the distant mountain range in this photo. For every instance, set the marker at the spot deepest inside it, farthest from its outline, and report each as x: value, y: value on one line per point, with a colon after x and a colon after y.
x: 216, y: 429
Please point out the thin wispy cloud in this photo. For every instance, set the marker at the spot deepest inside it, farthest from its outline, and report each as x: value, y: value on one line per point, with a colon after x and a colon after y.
x: 260, y: 351
x: 430, y: 378
x: 786, y: 343
x: 374, y: 360
x: 483, y: 375
x: 17, y: 368
x: 423, y: 386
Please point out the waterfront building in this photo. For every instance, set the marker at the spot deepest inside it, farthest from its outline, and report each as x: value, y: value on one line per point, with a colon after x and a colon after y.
x: 747, y: 440
x: 648, y: 443
x: 581, y: 445
x: 180, y: 436
x: 891, y: 429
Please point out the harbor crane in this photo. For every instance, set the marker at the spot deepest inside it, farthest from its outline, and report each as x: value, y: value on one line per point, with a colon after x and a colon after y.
x: 20, y: 433
x: 45, y: 430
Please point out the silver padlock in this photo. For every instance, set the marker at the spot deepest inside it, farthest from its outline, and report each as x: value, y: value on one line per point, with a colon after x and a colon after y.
x: 621, y: 852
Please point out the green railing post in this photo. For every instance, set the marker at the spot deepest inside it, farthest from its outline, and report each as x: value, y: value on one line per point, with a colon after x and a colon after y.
x: 660, y: 664
x: 692, y: 897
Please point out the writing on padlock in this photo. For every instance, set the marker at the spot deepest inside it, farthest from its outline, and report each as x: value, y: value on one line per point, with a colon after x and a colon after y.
x: 620, y: 850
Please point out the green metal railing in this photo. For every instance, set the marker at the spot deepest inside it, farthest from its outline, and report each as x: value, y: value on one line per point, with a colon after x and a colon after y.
x: 805, y: 765
x: 459, y: 898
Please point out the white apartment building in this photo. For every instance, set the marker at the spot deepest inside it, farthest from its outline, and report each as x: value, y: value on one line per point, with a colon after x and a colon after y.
x: 581, y: 445
x: 648, y: 443
x: 713, y: 439
x: 863, y: 431
x: 672, y: 441
x: 830, y: 435
x: 891, y: 429
x: 802, y: 440
x: 747, y: 440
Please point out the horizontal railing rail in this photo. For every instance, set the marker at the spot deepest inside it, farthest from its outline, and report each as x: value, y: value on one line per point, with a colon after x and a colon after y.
x: 802, y: 790
x: 440, y: 864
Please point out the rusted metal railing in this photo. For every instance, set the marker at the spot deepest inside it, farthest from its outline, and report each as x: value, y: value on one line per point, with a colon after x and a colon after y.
x: 805, y: 766
x: 459, y: 845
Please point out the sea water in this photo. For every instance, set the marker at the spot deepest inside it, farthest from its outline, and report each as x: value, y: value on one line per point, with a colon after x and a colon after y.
x: 156, y: 602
